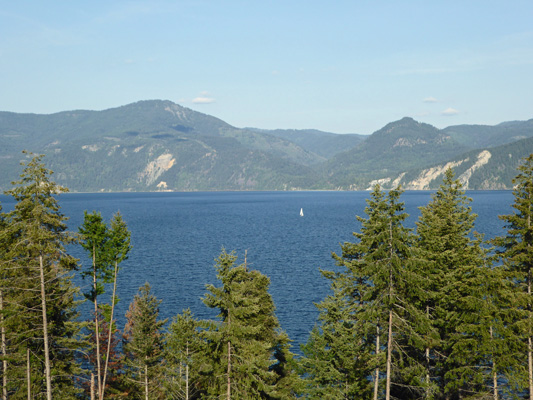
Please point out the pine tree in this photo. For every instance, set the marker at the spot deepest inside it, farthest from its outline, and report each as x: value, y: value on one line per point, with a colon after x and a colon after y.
x: 369, y: 326
x: 454, y: 263
x: 108, y: 247
x: 41, y: 322
x: 119, y: 247
x: 249, y: 355
x: 517, y: 256
x: 184, y: 350
x: 95, y: 240
x: 143, y: 344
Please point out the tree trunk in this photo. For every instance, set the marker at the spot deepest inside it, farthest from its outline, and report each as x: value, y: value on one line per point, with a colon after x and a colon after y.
x: 110, y: 334
x: 28, y: 372
x: 529, y: 344
x: 92, y: 386
x: 494, y: 373
x: 187, y: 373
x: 389, y: 357
x: 427, y: 362
x: 4, y: 348
x: 146, y: 381
x: 45, y: 333
x: 376, y: 379
x: 97, y: 331
x: 229, y: 371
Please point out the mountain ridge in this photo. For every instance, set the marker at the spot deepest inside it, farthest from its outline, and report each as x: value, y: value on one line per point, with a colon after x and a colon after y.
x: 155, y: 145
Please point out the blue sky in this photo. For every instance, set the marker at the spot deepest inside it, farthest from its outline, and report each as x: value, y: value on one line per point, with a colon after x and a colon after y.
x: 338, y: 66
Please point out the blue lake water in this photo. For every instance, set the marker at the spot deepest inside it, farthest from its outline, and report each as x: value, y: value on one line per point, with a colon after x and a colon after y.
x: 177, y: 236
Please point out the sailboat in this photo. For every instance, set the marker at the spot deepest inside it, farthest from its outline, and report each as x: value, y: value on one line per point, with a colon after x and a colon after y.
x: 301, y: 212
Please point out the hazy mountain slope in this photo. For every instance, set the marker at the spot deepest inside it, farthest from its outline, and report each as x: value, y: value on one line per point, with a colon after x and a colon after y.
x: 483, y: 136
x: 111, y: 149
x: 325, y: 144
x: 159, y: 145
x: 490, y: 168
x: 399, y: 146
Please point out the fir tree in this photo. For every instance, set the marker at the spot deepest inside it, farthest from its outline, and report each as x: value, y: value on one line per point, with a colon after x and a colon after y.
x: 457, y: 293
x: 517, y: 256
x: 95, y: 240
x: 386, y: 257
x: 184, y: 350
x: 369, y: 326
x: 40, y: 328
x: 143, y: 345
x: 249, y: 355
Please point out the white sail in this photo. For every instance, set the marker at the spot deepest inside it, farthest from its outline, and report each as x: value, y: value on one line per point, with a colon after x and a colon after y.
x: 301, y: 212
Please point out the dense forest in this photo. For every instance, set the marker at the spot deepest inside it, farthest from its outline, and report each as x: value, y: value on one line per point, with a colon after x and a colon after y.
x: 434, y: 312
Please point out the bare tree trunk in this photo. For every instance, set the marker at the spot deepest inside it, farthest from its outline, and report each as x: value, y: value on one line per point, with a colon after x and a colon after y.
x: 376, y: 380
x: 229, y: 371
x: 97, y: 330
x: 45, y: 333
x: 4, y: 348
x: 110, y: 334
x: 146, y: 381
x: 187, y: 373
x: 529, y: 344
x: 92, y: 386
x: 427, y: 362
x: 389, y: 357
x: 494, y: 373
x: 28, y: 372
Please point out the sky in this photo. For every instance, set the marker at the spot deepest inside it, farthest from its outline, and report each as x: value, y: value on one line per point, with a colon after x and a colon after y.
x: 337, y: 66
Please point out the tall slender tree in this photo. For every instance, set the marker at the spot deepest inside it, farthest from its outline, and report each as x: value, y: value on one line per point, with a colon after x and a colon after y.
x: 42, y: 291
x: 370, y: 326
x: 516, y: 251
x: 95, y: 240
x: 185, y: 357
x: 143, y: 344
x: 454, y: 264
x: 119, y: 247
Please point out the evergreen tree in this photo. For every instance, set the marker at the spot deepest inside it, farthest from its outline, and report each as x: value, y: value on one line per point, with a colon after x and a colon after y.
x: 184, y: 350
x: 108, y: 247
x: 457, y: 301
x: 369, y: 326
x: 95, y: 240
x: 143, y: 345
x: 40, y: 325
x: 249, y: 355
x: 119, y: 247
x: 517, y: 255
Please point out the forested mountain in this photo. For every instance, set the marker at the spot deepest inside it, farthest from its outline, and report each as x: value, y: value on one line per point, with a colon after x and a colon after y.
x: 158, y: 145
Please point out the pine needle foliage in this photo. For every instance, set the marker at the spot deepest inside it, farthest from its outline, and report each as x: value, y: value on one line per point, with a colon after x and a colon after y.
x: 249, y: 355
x: 39, y: 322
x: 516, y: 253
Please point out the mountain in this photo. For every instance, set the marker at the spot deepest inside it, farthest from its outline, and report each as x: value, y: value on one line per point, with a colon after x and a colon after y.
x: 158, y: 145
x: 399, y: 146
x: 152, y: 145
x: 482, y: 169
x: 480, y: 136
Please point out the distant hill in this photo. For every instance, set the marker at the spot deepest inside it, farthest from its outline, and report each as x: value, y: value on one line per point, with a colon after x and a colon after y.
x: 399, y: 146
x: 158, y: 145
x: 324, y: 144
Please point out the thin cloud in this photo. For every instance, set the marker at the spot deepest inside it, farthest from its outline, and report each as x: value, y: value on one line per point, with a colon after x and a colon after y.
x: 430, y: 100
x: 203, y: 100
x: 450, y: 111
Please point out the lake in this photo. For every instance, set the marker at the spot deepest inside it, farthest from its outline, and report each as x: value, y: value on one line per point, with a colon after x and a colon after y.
x: 177, y: 236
